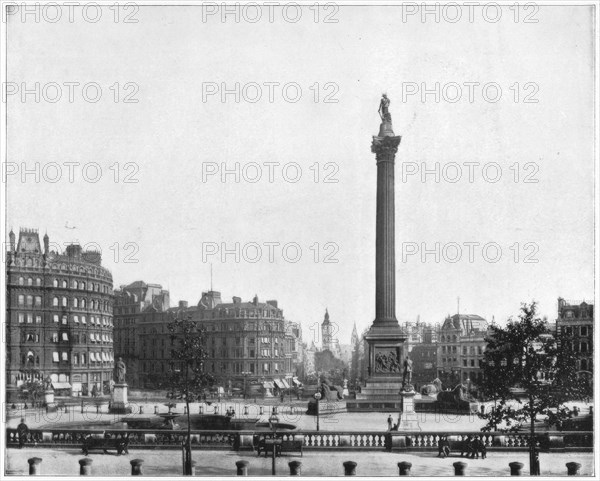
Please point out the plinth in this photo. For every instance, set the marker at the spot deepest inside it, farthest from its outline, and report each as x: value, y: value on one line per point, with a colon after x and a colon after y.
x: 409, y: 420
x: 49, y: 400
x: 119, y: 403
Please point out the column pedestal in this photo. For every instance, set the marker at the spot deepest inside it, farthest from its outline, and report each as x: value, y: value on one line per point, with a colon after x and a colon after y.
x: 119, y: 403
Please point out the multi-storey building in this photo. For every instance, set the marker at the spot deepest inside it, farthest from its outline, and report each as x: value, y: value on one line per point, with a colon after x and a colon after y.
x: 246, y: 341
x: 461, y: 347
x: 59, y: 313
x: 575, y: 322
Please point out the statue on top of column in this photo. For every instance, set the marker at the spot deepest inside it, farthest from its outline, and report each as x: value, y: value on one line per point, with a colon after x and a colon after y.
x: 384, y: 109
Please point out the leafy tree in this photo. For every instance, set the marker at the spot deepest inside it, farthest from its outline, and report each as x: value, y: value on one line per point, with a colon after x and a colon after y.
x: 32, y: 390
x: 525, y: 355
x: 187, y: 378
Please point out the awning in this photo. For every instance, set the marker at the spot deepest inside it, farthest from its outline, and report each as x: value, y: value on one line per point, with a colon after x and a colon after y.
x: 268, y: 385
x: 76, y: 386
x: 61, y: 385
x: 278, y: 383
x: 285, y: 384
x: 296, y: 382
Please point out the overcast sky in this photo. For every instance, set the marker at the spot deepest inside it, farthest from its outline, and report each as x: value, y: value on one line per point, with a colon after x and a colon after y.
x: 175, y: 63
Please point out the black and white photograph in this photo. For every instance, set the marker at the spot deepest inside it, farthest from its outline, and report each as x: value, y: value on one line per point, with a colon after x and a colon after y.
x: 305, y: 238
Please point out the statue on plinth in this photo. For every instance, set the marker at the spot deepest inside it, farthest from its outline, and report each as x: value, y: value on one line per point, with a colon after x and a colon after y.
x: 48, y: 384
x: 120, y: 370
x: 407, y: 375
x: 384, y: 112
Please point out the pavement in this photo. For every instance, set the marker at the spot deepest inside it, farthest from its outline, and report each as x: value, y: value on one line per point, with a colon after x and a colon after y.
x: 314, y: 463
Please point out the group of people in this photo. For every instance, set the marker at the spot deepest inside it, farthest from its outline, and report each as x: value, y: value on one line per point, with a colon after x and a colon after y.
x: 230, y: 412
x: 472, y: 447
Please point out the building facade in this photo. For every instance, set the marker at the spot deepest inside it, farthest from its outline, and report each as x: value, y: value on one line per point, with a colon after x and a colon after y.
x: 59, y: 314
x: 247, y: 342
x: 461, y: 348
x: 575, y: 322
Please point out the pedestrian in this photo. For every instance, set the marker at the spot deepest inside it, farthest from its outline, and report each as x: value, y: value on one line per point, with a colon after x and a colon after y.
x: 467, y: 446
x: 390, y: 421
x: 443, y: 447
x: 22, y: 431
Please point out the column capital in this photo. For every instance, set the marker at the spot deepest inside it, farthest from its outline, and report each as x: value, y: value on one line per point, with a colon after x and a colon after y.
x: 385, y: 146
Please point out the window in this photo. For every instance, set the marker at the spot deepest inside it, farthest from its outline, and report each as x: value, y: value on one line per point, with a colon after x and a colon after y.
x: 38, y: 301
x: 472, y: 362
x: 30, y: 300
x: 55, y: 317
x: 75, y: 359
x: 75, y: 302
x: 38, y: 281
x: 29, y: 281
x: 55, y: 282
x: 76, y: 319
x: 21, y: 318
x: 584, y: 347
x: 83, y: 320
x: 64, y: 302
x: 65, y: 356
x: 464, y: 362
x: 55, y: 356
x: 55, y: 302
x: 29, y: 318
x: 83, y: 359
x: 464, y: 350
x: 65, y: 337
x: 21, y: 300
x: 38, y: 319
x: 55, y: 337
x: 251, y: 352
x: 21, y: 281
x: 583, y: 330
x: 64, y: 284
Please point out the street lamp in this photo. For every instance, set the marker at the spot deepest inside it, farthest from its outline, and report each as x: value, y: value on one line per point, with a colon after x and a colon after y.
x: 317, y: 398
x: 245, y: 374
x: 273, y: 421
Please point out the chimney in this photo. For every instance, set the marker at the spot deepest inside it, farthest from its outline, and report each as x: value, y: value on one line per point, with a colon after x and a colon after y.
x: 74, y: 250
x: 272, y: 303
x: 237, y: 300
x: 255, y: 300
x: 183, y: 304
x: 46, y: 244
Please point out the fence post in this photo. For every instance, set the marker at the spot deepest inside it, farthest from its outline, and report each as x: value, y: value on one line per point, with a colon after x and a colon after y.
x: 515, y: 468
x: 459, y: 468
x: 242, y: 467
x: 349, y: 468
x: 85, y: 466
x: 573, y: 469
x: 404, y: 468
x: 295, y: 468
x: 136, y: 467
x: 34, y: 466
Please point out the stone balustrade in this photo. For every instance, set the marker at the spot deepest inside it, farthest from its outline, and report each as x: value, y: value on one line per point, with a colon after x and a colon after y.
x: 311, y: 440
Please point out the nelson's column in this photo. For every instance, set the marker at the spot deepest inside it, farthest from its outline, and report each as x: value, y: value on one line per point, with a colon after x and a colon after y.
x: 384, y: 390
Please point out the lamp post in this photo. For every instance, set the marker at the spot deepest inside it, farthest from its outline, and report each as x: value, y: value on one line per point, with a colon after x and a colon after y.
x: 245, y: 374
x: 317, y: 398
x: 273, y: 420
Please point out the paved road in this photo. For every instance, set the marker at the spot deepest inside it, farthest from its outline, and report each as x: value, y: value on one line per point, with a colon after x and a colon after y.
x: 222, y: 463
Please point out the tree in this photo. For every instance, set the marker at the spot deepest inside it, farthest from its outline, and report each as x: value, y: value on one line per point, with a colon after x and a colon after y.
x: 187, y: 377
x: 525, y: 355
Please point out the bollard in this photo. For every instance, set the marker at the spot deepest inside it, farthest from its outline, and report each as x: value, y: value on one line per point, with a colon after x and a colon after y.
x: 193, y: 468
x: 184, y: 409
x: 573, y: 469
x: 97, y: 408
x: 459, y: 468
x: 216, y: 409
x: 155, y: 409
x: 85, y: 467
x: 275, y: 410
x: 261, y: 410
x: 349, y: 468
x: 245, y: 410
x: 201, y: 409
x: 591, y: 410
x: 515, y: 468
x: 242, y: 468
x: 34, y: 466
x: 404, y: 468
x: 295, y: 468
x: 136, y: 467
x: 82, y: 405
x: 66, y: 409
x: 141, y: 409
